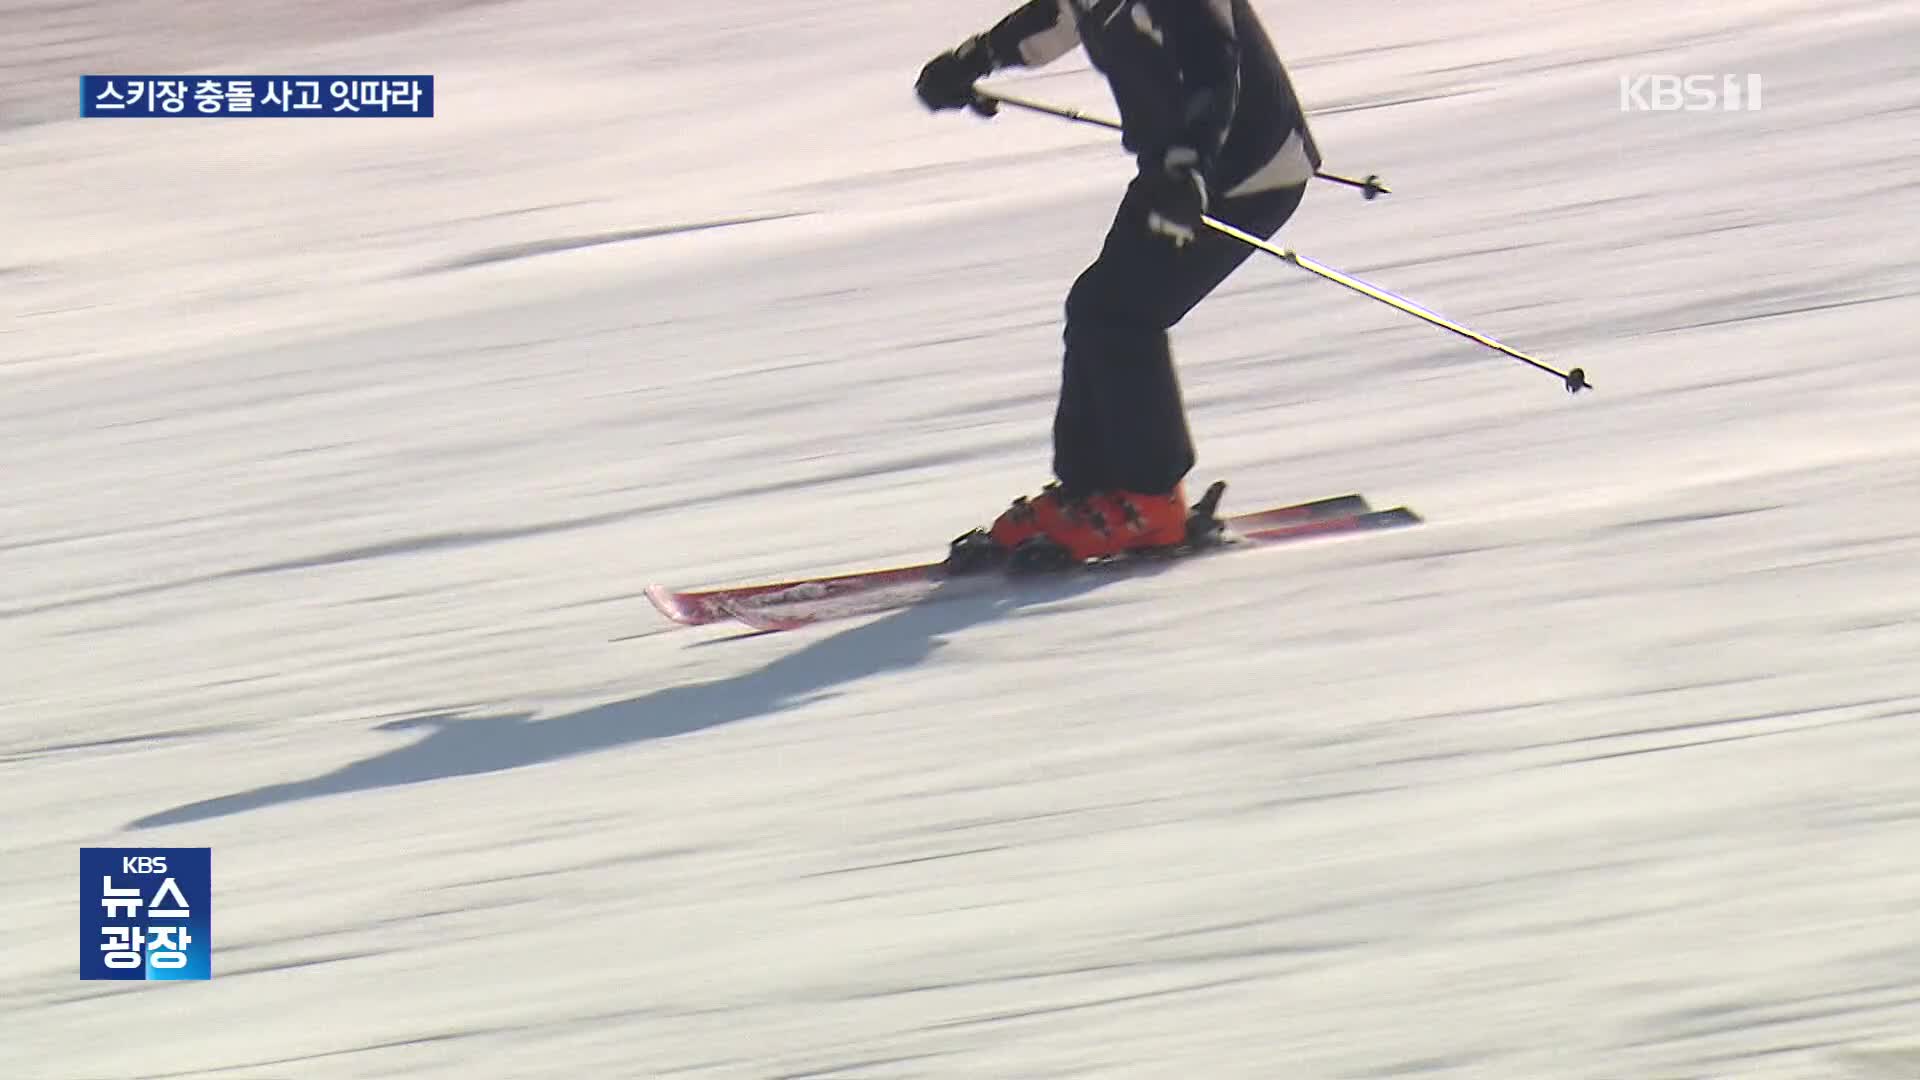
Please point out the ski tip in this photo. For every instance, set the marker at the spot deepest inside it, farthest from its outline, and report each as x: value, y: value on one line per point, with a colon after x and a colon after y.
x: 1398, y: 515
x: 668, y: 602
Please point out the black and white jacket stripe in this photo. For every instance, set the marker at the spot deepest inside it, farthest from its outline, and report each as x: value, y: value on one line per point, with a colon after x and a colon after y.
x: 1185, y: 73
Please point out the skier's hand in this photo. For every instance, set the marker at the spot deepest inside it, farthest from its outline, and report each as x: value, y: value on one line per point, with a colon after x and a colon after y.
x: 1176, y: 196
x: 947, y: 80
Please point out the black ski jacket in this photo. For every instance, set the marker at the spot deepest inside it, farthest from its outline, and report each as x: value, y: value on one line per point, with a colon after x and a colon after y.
x: 1193, y: 73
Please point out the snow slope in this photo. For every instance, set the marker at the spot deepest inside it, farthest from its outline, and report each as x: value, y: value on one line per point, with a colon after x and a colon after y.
x: 338, y: 457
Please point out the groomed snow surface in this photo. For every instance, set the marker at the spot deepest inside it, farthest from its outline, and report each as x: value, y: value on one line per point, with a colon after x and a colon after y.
x: 338, y: 455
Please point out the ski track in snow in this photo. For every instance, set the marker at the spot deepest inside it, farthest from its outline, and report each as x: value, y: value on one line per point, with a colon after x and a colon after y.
x: 338, y: 464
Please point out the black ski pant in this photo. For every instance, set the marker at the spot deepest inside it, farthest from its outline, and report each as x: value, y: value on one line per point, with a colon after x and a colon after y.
x: 1121, y: 422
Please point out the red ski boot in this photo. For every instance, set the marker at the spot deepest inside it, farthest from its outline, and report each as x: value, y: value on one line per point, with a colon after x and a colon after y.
x: 1053, y: 529
x: 1028, y: 518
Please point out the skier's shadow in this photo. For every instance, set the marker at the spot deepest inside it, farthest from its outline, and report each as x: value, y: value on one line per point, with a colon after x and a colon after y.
x: 463, y: 745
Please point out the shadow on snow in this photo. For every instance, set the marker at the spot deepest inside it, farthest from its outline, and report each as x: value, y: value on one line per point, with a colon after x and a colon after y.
x: 463, y: 745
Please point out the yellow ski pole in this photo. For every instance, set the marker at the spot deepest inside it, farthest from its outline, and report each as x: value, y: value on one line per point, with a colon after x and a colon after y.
x: 1575, y: 379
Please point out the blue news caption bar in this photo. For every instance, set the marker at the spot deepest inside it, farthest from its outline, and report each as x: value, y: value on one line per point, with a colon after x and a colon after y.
x: 256, y: 95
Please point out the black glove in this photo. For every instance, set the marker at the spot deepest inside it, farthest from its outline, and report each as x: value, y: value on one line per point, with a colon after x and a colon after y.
x: 947, y: 80
x: 1176, y: 194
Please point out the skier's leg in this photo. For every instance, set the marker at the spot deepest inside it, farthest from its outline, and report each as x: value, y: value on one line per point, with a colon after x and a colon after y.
x: 1122, y: 423
x: 1078, y: 447
x: 1116, y: 363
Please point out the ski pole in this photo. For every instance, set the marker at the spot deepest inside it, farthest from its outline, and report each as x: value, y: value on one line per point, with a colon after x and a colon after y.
x: 1575, y: 380
x: 1369, y: 188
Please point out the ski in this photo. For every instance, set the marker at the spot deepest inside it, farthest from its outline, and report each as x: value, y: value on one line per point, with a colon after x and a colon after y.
x: 700, y: 607
x: 812, y: 603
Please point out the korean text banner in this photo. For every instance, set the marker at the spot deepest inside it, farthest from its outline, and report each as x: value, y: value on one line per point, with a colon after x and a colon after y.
x: 256, y: 95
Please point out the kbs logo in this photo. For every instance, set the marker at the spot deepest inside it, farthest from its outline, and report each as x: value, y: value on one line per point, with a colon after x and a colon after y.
x: 146, y: 913
x: 1689, y: 93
